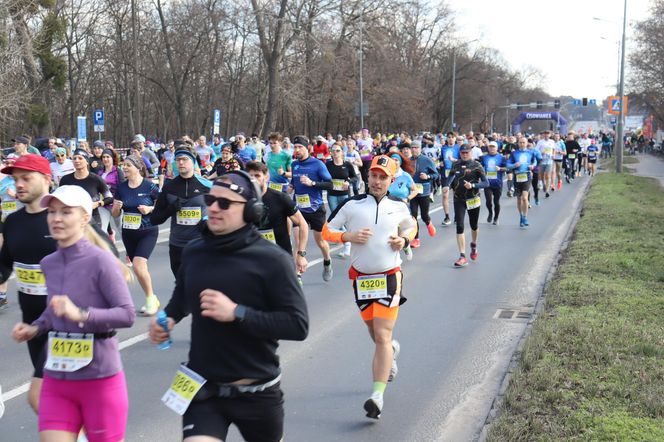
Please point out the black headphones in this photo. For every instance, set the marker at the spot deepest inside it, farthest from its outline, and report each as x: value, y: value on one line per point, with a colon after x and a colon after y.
x: 253, y: 209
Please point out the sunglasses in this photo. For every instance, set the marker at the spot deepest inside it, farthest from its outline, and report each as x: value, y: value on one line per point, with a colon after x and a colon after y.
x: 224, y: 203
x: 60, y: 155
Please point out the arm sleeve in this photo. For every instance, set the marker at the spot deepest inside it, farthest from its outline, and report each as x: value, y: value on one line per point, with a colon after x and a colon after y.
x: 115, y: 291
x: 104, y: 191
x: 288, y: 318
x: 483, y: 183
x: 177, y: 307
x: 324, y: 181
x: 162, y: 209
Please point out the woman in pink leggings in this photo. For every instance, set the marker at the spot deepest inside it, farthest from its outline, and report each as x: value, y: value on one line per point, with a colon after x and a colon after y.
x: 88, y: 298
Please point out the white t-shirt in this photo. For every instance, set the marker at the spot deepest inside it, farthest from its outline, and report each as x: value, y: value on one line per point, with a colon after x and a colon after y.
x: 476, y: 153
x: 59, y: 170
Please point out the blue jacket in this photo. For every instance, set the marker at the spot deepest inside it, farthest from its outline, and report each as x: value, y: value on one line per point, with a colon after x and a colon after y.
x: 424, y: 164
x: 316, y: 171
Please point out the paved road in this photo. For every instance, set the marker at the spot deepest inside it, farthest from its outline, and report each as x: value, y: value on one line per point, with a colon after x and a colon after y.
x: 456, y: 345
x: 649, y: 166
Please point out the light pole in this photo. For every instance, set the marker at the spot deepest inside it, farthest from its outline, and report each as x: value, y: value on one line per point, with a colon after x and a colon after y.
x: 453, y: 86
x: 621, y: 90
x: 361, y: 79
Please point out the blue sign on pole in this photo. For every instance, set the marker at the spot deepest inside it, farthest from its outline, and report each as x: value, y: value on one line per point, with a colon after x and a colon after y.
x: 576, y: 102
x: 98, y: 120
x: 614, y: 120
x: 217, y: 121
x: 82, y: 128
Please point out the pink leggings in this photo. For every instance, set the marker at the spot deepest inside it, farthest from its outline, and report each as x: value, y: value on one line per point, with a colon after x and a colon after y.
x: 99, y: 405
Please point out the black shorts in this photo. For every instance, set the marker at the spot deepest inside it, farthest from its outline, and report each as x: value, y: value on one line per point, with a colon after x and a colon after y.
x: 140, y: 242
x: 316, y: 220
x: 394, y: 297
x: 32, y: 306
x: 519, y: 188
x: 258, y: 416
x: 592, y: 160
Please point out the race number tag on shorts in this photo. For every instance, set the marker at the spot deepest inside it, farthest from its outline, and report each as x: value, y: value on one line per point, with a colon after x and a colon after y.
x: 184, y: 387
x: 279, y: 187
x: 338, y: 184
x: 188, y: 216
x: 473, y: 203
x: 303, y: 201
x: 492, y: 175
x: 419, y: 187
x: 571, y: 156
x: 131, y: 221
x: 30, y: 279
x: 371, y: 287
x: 69, y: 351
x: 269, y: 235
x: 521, y: 177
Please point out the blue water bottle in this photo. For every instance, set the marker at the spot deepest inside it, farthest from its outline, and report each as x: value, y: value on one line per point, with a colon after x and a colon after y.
x: 162, y: 320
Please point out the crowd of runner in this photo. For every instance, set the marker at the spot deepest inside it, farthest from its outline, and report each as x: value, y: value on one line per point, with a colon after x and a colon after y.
x: 243, y: 208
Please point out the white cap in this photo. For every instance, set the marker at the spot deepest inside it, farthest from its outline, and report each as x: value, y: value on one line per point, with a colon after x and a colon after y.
x: 72, y: 196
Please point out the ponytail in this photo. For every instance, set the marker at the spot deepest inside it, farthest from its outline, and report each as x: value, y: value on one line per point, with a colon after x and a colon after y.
x: 92, y: 236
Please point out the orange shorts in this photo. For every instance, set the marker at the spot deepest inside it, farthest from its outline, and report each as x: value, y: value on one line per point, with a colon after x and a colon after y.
x: 377, y: 310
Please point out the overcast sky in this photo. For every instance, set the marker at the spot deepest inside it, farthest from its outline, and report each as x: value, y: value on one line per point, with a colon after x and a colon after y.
x: 532, y: 32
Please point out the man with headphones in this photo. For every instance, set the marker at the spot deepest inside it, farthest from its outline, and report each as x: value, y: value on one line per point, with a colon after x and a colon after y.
x: 226, y: 281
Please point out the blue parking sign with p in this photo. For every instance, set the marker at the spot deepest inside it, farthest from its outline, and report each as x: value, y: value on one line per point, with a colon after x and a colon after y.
x: 98, y: 120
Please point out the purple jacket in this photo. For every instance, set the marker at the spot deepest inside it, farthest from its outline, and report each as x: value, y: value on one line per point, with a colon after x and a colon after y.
x: 92, y: 279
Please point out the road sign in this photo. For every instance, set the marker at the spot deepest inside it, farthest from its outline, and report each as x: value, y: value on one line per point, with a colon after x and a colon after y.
x: 217, y: 121
x: 576, y: 102
x: 592, y: 101
x: 98, y: 120
x: 614, y: 105
x: 365, y: 109
x: 614, y: 121
x: 82, y: 128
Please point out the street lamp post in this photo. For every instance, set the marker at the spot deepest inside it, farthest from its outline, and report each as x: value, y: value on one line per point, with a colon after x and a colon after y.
x: 453, y: 86
x: 621, y: 91
x: 361, y: 56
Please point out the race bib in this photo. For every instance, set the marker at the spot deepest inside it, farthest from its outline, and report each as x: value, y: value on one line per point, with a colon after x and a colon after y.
x: 371, y: 287
x: 184, y: 387
x: 338, y: 184
x: 131, y: 221
x: 447, y: 172
x: 365, y: 152
x: 303, y: 201
x: 473, y: 203
x: 419, y: 187
x: 269, y: 235
x: 279, y: 187
x: 188, y: 216
x: 522, y: 177
x: 8, y: 207
x: 492, y: 175
x: 571, y: 156
x: 69, y: 352
x: 30, y: 279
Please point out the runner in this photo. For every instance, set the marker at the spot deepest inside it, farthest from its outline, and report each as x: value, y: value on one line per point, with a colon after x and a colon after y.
x: 379, y: 227
x: 205, y: 153
x: 84, y: 388
x: 353, y: 157
x: 310, y: 178
x: 466, y: 178
x: 225, y: 163
x: 584, y: 142
x: 494, y: 166
x: 522, y: 162
x: 546, y: 147
x: 508, y: 147
x: 181, y: 199
x: 592, y: 153
x: 135, y: 199
x: 449, y: 155
x: 61, y: 166
x: 572, y: 148
x: 432, y: 151
x: 27, y: 242
x: 279, y: 209
x: 342, y: 173
x: 424, y: 175
x: 279, y: 163
x: 238, y: 316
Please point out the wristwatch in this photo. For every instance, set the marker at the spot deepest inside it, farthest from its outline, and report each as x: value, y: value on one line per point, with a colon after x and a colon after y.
x: 302, y: 253
x: 240, y: 313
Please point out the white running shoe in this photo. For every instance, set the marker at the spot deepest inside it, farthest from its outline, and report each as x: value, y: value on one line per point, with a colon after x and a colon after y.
x: 396, y: 347
x: 374, y: 405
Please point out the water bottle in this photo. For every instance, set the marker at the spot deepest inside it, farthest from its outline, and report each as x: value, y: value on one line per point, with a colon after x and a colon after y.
x: 162, y: 320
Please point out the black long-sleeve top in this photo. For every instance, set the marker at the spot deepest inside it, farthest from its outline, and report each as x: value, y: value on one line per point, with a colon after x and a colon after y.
x: 471, y: 171
x: 254, y: 273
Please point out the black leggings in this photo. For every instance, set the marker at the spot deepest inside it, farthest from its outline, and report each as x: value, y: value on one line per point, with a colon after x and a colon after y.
x: 423, y: 203
x: 32, y: 306
x: 535, y: 183
x: 493, y: 193
x: 460, y: 216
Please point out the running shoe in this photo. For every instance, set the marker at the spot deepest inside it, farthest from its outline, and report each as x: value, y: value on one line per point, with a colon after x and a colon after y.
x: 447, y: 221
x: 4, y: 303
x: 342, y: 255
x: 415, y: 243
x: 521, y: 221
x: 374, y: 405
x: 495, y: 221
x: 431, y: 198
x: 560, y: 184
x: 546, y: 195
x: 567, y: 179
x: 396, y: 347
x: 473, y: 252
x: 510, y: 193
x: 431, y: 229
x: 128, y: 262
x: 489, y: 218
x: 327, y: 272
x: 408, y: 252
x: 461, y: 262
x: 525, y: 221
x: 151, y: 306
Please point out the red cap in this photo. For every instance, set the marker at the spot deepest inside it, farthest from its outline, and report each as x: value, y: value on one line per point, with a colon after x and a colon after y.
x: 31, y: 162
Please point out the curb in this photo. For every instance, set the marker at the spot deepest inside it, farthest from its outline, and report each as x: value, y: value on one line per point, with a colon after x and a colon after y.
x: 496, y: 406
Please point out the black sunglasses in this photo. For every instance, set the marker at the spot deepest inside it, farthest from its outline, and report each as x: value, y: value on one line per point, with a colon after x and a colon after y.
x: 224, y: 203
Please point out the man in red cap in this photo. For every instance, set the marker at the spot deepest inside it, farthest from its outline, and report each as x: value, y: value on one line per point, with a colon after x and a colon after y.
x: 27, y: 242
x: 379, y: 226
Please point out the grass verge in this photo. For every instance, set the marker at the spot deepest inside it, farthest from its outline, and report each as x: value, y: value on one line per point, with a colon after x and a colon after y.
x: 593, y: 367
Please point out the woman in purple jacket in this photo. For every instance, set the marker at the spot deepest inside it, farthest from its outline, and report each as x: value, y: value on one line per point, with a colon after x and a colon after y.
x: 113, y: 175
x: 88, y: 298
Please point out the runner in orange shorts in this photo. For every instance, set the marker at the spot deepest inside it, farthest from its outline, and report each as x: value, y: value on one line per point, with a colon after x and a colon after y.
x: 379, y: 226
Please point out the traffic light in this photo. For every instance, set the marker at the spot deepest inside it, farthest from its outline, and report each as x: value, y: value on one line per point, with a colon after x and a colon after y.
x: 539, y: 104
x: 584, y: 101
x: 556, y: 104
